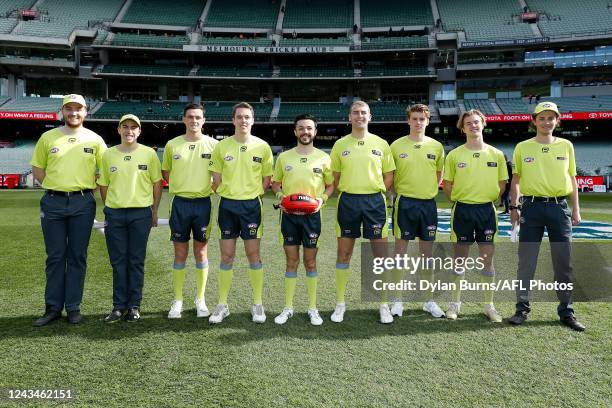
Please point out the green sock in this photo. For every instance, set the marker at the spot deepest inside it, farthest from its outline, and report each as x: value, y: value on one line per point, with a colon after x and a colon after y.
x: 226, y: 274
x: 342, y: 275
x: 201, y: 276
x: 290, y: 282
x: 489, y: 279
x: 256, y: 276
x: 457, y: 291
x: 178, y: 280
x: 311, y: 287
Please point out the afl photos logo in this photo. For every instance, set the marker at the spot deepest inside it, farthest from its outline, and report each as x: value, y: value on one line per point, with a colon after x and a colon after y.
x: 462, y: 165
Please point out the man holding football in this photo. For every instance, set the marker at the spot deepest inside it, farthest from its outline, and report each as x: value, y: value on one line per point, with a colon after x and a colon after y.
x: 363, y: 166
x: 419, y: 160
x: 304, y: 170
x: 242, y: 169
x: 185, y: 167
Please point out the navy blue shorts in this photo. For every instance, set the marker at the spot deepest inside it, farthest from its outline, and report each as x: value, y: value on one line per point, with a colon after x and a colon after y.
x: 301, y: 229
x: 240, y: 218
x: 355, y: 210
x: 413, y: 217
x: 190, y: 215
x: 473, y: 222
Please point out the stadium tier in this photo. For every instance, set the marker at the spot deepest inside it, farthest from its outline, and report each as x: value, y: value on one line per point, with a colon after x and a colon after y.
x: 16, y: 160
x: 566, y: 17
x: 583, y: 103
x: 372, y: 43
x: 484, y: 20
x: 7, y: 25
x: 3, y: 99
x: 512, y: 105
x: 33, y: 105
x: 233, y: 71
x: 382, y: 71
x: 150, y: 40
x: 296, y: 71
x: 61, y: 17
x: 145, y: 70
x: 386, y: 13
x: 483, y: 105
x: 315, y: 42
x: 160, y: 12
x: 318, y: 13
x: 333, y: 112
x: 235, y: 41
x: 255, y: 14
x: 447, y: 104
x: 388, y: 112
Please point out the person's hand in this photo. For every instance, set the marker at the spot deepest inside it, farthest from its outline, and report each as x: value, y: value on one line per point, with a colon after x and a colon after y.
x: 154, y: 219
x: 515, y: 216
x: 320, y: 201
x: 576, y: 216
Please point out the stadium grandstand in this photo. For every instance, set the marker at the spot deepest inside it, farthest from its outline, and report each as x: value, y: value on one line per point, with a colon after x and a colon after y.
x: 295, y: 56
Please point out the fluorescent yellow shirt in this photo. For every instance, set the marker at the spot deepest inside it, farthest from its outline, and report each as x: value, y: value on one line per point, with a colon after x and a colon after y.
x: 546, y: 170
x: 242, y: 167
x: 69, y: 161
x: 475, y: 174
x: 303, y: 174
x: 416, y: 165
x: 188, y: 164
x: 361, y: 164
x: 129, y: 177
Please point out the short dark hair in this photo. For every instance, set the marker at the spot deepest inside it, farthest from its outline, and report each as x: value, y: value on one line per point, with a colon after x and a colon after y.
x: 245, y: 105
x: 305, y: 116
x: 194, y: 106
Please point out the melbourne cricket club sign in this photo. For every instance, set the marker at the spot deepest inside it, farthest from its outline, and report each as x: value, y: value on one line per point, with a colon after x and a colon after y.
x: 254, y: 49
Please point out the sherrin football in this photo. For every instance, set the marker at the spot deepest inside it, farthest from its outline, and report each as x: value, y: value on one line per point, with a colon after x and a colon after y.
x: 299, y: 204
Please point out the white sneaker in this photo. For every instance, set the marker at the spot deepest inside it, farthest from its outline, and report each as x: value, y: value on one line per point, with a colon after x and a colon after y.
x: 285, y: 315
x: 175, y: 310
x: 453, y: 310
x: 385, y: 314
x: 201, y: 309
x: 338, y: 315
x: 491, y: 313
x: 433, y: 308
x: 220, y: 313
x: 315, y: 318
x: 397, y: 308
x: 259, y: 316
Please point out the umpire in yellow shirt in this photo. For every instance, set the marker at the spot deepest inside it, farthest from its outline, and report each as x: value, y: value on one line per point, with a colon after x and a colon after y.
x: 64, y: 163
x: 242, y: 169
x: 362, y: 166
x: 186, y: 168
x: 475, y: 174
x: 544, y: 170
x: 131, y: 188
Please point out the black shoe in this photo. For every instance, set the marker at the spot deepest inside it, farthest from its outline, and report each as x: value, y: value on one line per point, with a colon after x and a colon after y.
x: 571, y: 322
x: 74, y: 317
x: 48, y: 317
x: 133, y: 315
x: 114, y: 316
x: 518, y: 318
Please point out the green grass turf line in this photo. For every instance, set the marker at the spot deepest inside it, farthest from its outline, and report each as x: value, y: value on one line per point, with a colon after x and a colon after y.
x: 418, y: 361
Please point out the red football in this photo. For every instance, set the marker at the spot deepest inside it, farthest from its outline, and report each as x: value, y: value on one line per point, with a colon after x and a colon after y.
x: 299, y: 204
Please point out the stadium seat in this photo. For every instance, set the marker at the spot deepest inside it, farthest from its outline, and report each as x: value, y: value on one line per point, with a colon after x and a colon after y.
x: 160, y: 12
x: 386, y: 13
x: 371, y: 43
x: 318, y: 13
x: 566, y: 17
x: 150, y: 40
x: 33, y: 105
x: 258, y: 14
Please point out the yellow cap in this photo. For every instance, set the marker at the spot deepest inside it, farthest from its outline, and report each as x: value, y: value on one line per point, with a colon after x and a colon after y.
x: 129, y: 116
x: 546, y: 106
x: 74, y: 98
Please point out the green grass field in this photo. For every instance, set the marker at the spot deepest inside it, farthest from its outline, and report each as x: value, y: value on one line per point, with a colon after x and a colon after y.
x: 417, y: 361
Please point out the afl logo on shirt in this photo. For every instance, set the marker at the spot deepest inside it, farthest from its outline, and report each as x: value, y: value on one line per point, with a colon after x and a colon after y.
x: 462, y: 165
x: 346, y: 153
x: 176, y: 157
x: 54, y: 150
x: 403, y: 155
x: 113, y: 169
x: 529, y: 159
x: 228, y: 158
x: 288, y: 168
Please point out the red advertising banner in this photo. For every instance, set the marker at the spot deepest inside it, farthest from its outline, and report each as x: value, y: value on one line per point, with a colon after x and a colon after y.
x: 589, y: 181
x: 525, y: 117
x: 29, y: 115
